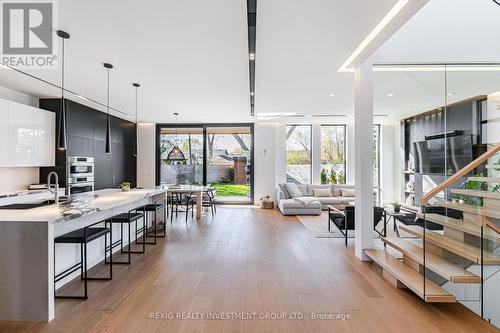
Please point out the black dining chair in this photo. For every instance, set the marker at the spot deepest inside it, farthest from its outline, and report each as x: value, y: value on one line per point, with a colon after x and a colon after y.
x: 183, y: 202
x: 208, y: 200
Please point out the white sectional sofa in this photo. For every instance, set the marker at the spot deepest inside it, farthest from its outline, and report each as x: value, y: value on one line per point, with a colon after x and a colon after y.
x: 311, y: 204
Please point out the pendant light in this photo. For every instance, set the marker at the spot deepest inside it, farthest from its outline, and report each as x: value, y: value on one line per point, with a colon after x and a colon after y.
x: 136, y: 85
x: 176, y: 153
x: 61, y: 134
x: 108, y: 120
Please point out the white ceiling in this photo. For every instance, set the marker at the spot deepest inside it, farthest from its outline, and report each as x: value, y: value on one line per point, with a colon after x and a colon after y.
x: 191, y: 56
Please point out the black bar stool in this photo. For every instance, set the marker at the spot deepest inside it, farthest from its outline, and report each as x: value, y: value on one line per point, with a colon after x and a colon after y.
x: 132, y: 216
x: 83, y: 237
x: 154, y: 208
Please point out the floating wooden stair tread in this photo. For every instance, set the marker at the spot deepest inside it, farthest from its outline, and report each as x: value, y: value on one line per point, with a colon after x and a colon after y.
x: 470, y: 209
x: 467, y: 227
x: 477, y: 193
x: 485, y: 179
x: 461, y: 249
x: 448, y: 270
x: 410, y: 278
x: 492, y: 166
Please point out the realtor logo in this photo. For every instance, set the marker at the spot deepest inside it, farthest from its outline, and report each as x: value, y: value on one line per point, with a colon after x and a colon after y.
x: 28, y: 33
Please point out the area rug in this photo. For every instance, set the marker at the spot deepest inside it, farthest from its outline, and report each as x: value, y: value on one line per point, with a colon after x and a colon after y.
x: 318, y: 226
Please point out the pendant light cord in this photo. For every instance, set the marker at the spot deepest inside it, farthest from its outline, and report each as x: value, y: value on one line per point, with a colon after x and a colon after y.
x: 497, y: 2
x: 107, y: 101
x: 62, y: 72
x: 136, y: 105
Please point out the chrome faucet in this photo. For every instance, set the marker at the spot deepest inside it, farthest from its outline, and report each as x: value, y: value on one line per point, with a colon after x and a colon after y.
x: 56, y: 185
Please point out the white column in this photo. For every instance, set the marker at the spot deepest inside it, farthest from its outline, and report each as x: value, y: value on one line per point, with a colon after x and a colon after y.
x: 146, y: 154
x: 363, y: 129
x: 316, y: 154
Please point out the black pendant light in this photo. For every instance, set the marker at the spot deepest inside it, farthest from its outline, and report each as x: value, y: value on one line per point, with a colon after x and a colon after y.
x: 108, y: 120
x: 176, y: 153
x: 136, y: 85
x: 61, y: 134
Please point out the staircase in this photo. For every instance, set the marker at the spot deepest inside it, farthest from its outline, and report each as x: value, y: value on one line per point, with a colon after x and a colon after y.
x: 465, y: 254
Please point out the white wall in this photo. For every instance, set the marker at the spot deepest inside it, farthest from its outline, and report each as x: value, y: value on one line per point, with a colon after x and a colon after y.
x: 146, y: 159
x: 13, y: 179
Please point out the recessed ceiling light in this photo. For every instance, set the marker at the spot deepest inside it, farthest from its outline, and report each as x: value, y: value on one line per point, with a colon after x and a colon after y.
x: 332, y: 95
x: 252, y: 93
x: 390, y: 94
x: 451, y: 94
x: 252, y: 56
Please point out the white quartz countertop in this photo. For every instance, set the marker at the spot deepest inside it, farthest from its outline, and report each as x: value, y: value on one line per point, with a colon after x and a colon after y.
x: 79, y: 205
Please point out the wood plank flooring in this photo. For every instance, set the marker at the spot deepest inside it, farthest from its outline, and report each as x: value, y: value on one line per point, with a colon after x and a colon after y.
x: 249, y: 260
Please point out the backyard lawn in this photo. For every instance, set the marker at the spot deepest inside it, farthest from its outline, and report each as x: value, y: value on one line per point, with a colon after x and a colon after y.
x: 230, y: 190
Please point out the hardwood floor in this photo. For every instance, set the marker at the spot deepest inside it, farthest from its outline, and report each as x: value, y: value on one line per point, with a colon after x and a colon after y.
x: 250, y: 260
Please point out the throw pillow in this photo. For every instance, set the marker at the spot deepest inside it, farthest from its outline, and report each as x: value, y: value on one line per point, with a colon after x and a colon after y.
x: 293, y: 190
x: 322, y: 192
x: 347, y: 192
x: 285, y: 191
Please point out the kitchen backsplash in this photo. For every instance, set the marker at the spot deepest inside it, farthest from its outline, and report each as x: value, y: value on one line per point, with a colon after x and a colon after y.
x: 14, y: 179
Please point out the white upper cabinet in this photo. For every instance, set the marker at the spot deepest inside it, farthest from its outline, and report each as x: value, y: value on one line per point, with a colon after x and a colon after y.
x: 20, y: 144
x: 44, y: 127
x: 27, y: 135
x: 4, y: 131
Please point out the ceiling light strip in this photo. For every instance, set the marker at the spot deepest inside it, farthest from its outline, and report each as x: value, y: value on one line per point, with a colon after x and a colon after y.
x: 65, y: 90
x: 373, y: 34
x: 252, y: 33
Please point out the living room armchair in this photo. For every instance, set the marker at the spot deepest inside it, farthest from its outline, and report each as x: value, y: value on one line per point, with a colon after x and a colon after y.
x: 344, y: 221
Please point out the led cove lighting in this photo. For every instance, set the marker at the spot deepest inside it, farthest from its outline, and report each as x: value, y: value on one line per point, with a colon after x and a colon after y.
x: 374, y: 33
x: 437, y: 68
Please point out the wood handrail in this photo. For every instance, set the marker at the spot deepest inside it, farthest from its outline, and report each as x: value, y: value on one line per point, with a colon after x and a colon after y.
x: 461, y: 173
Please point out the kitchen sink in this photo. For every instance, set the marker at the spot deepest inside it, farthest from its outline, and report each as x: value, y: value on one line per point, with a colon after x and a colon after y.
x: 31, y: 205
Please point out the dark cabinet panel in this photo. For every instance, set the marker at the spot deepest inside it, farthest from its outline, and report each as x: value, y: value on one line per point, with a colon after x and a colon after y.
x: 119, y: 163
x: 80, y: 146
x: 80, y: 120
x: 100, y: 147
x: 103, y: 173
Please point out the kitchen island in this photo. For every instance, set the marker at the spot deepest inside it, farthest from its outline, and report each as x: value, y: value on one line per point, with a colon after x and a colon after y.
x: 27, y: 247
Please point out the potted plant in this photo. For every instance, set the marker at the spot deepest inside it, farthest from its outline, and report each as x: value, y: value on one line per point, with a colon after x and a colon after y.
x: 323, y: 176
x: 125, y: 186
x: 397, y: 207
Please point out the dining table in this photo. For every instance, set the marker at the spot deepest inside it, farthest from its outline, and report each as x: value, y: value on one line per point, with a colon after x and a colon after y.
x: 197, y: 190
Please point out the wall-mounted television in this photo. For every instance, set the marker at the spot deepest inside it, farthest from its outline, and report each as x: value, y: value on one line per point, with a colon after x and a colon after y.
x: 443, y: 156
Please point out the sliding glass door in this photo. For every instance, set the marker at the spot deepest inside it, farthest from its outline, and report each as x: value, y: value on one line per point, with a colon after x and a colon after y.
x: 216, y: 155
x: 229, y: 162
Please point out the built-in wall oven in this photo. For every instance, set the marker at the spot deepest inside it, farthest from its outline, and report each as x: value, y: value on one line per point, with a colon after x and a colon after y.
x: 80, y: 174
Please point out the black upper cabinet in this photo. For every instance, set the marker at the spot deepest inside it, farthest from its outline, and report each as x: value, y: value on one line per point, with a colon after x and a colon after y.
x: 86, y: 137
x: 80, y: 120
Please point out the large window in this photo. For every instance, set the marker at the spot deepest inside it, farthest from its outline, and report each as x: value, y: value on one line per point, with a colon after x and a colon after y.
x: 216, y: 155
x: 333, y: 166
x: 298, y: 148
x: 190, y: 142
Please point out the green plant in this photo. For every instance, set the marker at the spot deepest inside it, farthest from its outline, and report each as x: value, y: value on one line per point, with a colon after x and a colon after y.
x: 474, y: 185
x: 396, y: 205
x: 323, y: 176
x: 124, y: 185
x: 340, y: 177
x: 333, y: 177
